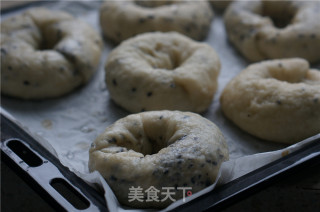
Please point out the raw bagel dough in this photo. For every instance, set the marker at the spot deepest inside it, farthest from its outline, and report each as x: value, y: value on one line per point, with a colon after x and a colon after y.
x: 275, y: 29
x: 276, y: 100
x: 46, y: 54
x: 160, y: 149
x: 156, y: 71
x: 121, y: 20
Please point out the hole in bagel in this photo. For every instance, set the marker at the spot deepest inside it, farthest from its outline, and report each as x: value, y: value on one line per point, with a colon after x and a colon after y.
x: 153, y: 4
x: 165, y: 57
x: 150, y: 137
x: 280, y: 13
x: 50, y: 36
x: 46, y: 45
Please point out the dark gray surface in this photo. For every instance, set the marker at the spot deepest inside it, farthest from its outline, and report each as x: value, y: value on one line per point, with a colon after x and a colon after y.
x: 16, y: 195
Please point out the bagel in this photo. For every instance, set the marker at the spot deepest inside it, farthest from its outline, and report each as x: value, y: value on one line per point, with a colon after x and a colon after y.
x: 157, y: 71
x: 160, y: 149
x: 46, y: 54
x: 276, y: 100
x: 121, y: 20
x: 275, y: 29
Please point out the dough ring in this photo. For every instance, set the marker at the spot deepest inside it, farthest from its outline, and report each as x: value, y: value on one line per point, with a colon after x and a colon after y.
x: 160, y: 149
x: 275, y: 29
x: 276, y: 100
x: 157, y: 71
x: 123, y: 19
x: 46, y: 54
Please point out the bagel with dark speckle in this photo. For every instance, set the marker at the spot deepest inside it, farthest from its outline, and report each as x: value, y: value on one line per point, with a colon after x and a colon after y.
x: 160, y: 149
x: 276, y: 100
x: 162, y: 71
x: 275, y: 29
x: 46, y: 54
x: 121, y: 20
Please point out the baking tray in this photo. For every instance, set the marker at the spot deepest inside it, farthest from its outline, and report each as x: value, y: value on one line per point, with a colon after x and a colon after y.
x: 217, y: 198
x: 39, y: 168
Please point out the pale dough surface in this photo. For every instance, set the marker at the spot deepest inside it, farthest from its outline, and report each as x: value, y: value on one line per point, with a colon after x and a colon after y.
x: 251, y: 29
x: 120, y: 20
x: 160, y: 149
x: 276, y: 100
x: 46, y: 54
x: 157, y: 71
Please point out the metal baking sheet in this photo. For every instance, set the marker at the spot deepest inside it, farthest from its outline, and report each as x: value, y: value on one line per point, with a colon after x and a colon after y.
x: 68, y: 125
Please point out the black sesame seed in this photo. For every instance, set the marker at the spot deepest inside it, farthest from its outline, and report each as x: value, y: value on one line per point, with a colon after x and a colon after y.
x: 280, y: 65
x: 3, y: 51
x: 133, y: 89
x: 279, y: 102
x: 161, y: 117
x: 166, y: 171
x: 172, y: 85
x: 195, y: 138
x: 179, y: 162
x: 208, y: 161
x: 141, y: 20
x: 113, y: 178
x: 190, y: 166
x: 315, y: 100
x: 221, y: 156
x: 182, y: 137
x: 114, y: 82
x: 179, y: 156
x: 313, y: 36
x: 112, y: 140
x: 214, y: 163
x: 149, y: 94
x: 26, y: 82
x: 186, y: 117
x: 143, y: 109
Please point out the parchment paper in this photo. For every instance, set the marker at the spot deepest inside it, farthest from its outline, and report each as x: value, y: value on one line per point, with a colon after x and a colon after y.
x: 68, y: 125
